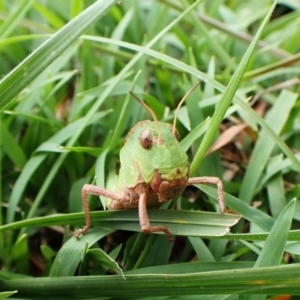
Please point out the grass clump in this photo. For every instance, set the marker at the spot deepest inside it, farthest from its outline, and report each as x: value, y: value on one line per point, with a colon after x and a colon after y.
x: 67, y: 69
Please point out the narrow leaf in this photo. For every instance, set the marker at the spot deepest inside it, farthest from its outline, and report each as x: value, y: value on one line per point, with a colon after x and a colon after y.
x: 228, y: 96
x: 12, y: 84
x: 72, y: 252
x: 273, y: 249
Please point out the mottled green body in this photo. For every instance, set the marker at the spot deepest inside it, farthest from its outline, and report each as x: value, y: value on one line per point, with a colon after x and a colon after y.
x: 162, y: 170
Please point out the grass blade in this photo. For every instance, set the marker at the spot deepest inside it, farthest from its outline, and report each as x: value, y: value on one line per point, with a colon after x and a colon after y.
x: 273, y: 249
x: 277, y: 118
x: 227, y: 97
x: 34, y: 64
x: 11, y: 22
x: 189, y: 223
x: 267, y: 280
x: 67, y: 259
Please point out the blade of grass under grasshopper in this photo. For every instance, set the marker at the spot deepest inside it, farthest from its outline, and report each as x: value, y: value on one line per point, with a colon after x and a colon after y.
x: 189, y: 223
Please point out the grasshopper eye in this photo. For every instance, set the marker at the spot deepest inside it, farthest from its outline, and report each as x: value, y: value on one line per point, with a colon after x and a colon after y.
x: 146, y: 139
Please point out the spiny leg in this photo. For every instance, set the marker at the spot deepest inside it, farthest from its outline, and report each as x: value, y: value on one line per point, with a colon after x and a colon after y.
x: 212, y: 180
x: 89, y: 189
x: 144, y: 219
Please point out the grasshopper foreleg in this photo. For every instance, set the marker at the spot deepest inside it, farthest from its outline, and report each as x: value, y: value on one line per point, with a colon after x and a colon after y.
x: 144, y: 219
x: 89, y: 189
x: 212, y: 180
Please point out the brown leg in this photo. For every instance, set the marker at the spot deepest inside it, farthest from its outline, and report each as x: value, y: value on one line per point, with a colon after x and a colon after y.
x: 89, y: 189
x: 212, y: 180
x: 144, y: 220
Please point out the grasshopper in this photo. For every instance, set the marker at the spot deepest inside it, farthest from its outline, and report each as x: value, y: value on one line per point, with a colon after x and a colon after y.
x: 154, y: 169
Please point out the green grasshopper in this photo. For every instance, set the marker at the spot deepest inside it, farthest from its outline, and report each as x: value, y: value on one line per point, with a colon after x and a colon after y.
x: 154, y: 169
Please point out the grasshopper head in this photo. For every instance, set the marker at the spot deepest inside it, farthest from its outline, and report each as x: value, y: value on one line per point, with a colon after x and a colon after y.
x: 161, y: 161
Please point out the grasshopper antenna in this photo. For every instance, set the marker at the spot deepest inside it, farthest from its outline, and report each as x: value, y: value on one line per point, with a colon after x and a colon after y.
x: 180, y: 104
x: 160, y: 139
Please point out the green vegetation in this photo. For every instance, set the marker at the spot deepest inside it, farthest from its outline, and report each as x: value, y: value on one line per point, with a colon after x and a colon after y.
x: 66, y: 71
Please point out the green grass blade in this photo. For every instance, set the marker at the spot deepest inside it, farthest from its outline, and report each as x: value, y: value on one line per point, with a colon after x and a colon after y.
x: 192, y: 267
x: 2, y: 253
x: 12, y: 148
x: 15, y: 17
x: 294, y: 235
x: 72, y: 252
x: 202, y: 250
x: 266, y: 280
x: 283, y: 146
x: 215, y: 46
x: 194, y: 134
x: 48, y: 15
x: 188, y: 223
x: 105, y: 261
x: 277, y: 118
x: 275, y: 188
x: 4, y: 295
x: 227, y: 97
x: 261, y: 219
x: 284, y: 166
x: 32, y: 164
x: 273, y: 249
x: 37, y: 61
